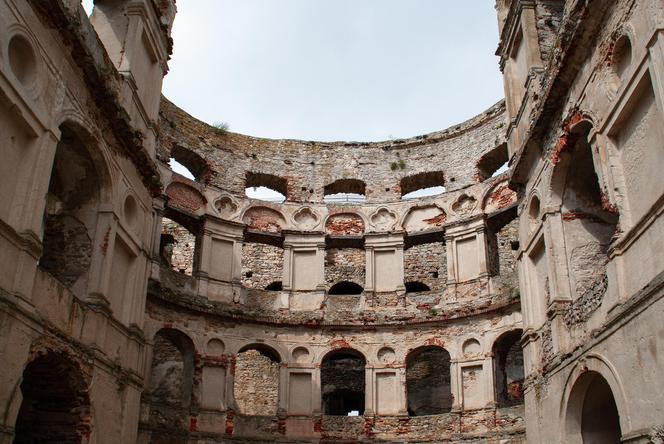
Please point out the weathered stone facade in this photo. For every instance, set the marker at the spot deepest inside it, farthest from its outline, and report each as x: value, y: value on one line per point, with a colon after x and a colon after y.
x: 138, y: 306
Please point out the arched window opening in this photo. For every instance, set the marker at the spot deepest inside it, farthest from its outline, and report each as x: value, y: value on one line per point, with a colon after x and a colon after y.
x: 592, y: 413
x: 589, y: 227
x: 171, y: 383
x: 257, y: 372
x: 508, y: 369
x: 70, y: 219
x: 622, y: 55
x: 428, y: 382
x: 266, y: 187
x: 345, y: 288
x: 345, y: 191
x: 55, y: 406
x: 493, y: 163
x: 88, y: 5
x: 274, y: 286
x: 416, y: 287
x: 178, y: 247
x: 182, y: 170
x: 422, y: 185
x: 189, y: 164
x: 342, y: 383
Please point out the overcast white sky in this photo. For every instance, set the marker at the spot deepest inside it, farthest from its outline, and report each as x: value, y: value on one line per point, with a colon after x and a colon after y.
x: 334, y: 69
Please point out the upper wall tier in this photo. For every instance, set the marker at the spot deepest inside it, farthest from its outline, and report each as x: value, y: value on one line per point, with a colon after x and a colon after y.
x: 223, y: 159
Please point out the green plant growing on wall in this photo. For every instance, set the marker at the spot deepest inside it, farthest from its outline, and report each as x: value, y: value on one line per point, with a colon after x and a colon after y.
x: 399, y: 165
x: 221, y: 128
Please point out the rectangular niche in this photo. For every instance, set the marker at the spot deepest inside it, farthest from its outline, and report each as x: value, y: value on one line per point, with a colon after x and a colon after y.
x: 387, y: 399
x: 121, y: 282
x: 472, y: 387
x: 639, y: 134
x: 299, y: 394
x: 387, y: 270
x: 537, y: 284
x: 213, y: 389
x: 305, y: 270
x: 468, y: 266
x: 222, y: 259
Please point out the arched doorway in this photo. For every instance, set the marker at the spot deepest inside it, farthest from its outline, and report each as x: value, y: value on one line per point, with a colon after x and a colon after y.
x: 428, y: 381
x: 592, y: 413
x: 342, y: 383
x: 508, y: 369
x: 257, y: 370
x: 170, y: 386
x: 56, y: 406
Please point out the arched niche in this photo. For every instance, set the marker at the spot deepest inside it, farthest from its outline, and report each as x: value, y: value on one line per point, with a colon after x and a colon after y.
x: 592, y: 414
x: 264, y: 219
x: 588, y: 226
x: 344, y: 224
x: 184, y: 196
x: 78, y: 185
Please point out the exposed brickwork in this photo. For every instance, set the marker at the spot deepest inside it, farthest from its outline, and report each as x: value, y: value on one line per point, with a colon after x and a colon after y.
x: 319, y: 164
x: 426, y: 263
x: 180, y: 254
x: 262, y: 265
x: 346, y: 264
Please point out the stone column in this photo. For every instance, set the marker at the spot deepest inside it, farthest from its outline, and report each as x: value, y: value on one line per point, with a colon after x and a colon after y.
x: 220, y: 259
x: 317, y: 406
x: 489, y: 390
x: 560, y: 292
x: 100, y: 268
x: 369, y: 397
x: 456, y: 386
x: 304, y: 269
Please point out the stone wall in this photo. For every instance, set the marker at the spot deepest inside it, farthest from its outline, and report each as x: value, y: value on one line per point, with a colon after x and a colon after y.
x: 256, y: 384
x: 502, y: 256
x: 347, y: 264
x: 313, y: 165
x: 183, y: 249
x: 262, y: 265
x: 426, y: 263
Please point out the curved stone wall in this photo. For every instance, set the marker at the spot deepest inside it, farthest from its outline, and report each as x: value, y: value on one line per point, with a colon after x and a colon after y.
x: 270, y: 281
x: 310, y: 166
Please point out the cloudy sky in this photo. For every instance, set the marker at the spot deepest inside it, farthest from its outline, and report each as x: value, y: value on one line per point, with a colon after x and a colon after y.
x: 334, y: 69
